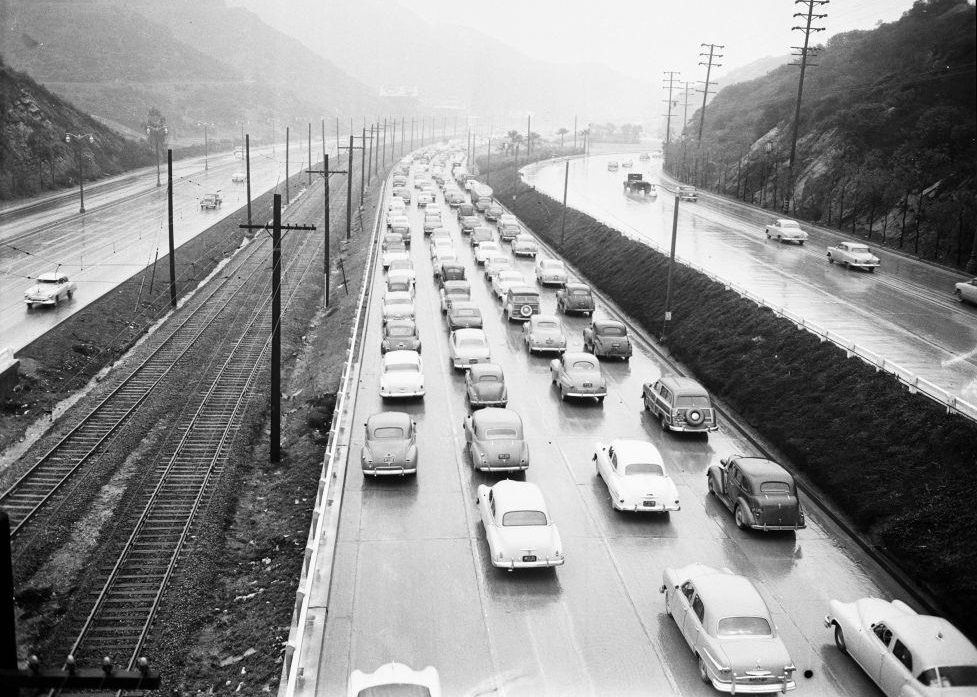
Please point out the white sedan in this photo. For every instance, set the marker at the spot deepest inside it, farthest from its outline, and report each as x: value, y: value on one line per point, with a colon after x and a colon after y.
x: 424, y: 198
x: 551, y: 272
x: 505, y: 280
x: 485, y: 250
x: 518, y: 528
x: 401, y: 375
x: 905, y: 654
x: 397, y: 305
x: 966, y: 291
x: 785, y: 230
x: 50, y: 289
x: 395, y: 679
x: 634, y: 473
x: 467, y: 347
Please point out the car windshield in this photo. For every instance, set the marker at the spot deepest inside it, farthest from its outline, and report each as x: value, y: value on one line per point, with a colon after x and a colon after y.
x: 402, y: 368
x: 612, y: 331
x: 54, y: 281
x: 583, y: 365
x: 456, y: 291
x: 388, y: 432
x: 395, y: 690
x: 400, y: 331
x: 500, y: 433
x: 516, y: 518
x: 695, y: 400
x: 775, y: 488
x: 950, y: 676
x: 644, y: 468
x: 744, y: 626
x: 858, y: 248
x: 400, y: 264
x: 397, y: 302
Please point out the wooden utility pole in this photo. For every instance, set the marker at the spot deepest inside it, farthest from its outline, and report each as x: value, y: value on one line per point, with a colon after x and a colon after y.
x: 310, y: 153
x: 806, y: 53
x: 349, y: 181
x: 169, y: 209
x: 670, y: 78
x: 247, y: 171
x: 326, y: 264
x: 287, y: 199
x: 713, y: 55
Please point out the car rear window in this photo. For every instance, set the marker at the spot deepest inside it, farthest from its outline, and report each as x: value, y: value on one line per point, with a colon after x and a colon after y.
x: 499, y: 433
x: 402, y: 368
x: 552, y: 264
x: 775, y: 488
x: 584, y: 365
x: 612, y: 331
x: 400, y: 331
x: 385, y: 432
x: 525, y: 298
x: 743, y: 626
x: 513, y: 518
x: 692, y: 401
x: 580, y: 291
x: 547, y: 325
x: 467, y: 312
x: 644, y: 468
x: 489, y: 378
x: 472, y: 342
x: 395, y: 690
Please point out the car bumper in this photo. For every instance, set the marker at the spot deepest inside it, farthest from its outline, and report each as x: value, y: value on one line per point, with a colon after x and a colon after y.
x: 578, y: 308
x: 792, y: 238
x: 460, y: 363
x: 501, y: 468
x: 614, y: 353
x: 524, y: 252
x: 684, y: 428
x: 404, y: 393
x: 375, y: 471
x: 540, y: 348
x: 863, y: 264
x: 39, y: 301
x: 519, y: 564
x: 639, y: 507
x: 746, y: 688
x: 552, y: 280
x: 575, y: 393
x: 777, y: 528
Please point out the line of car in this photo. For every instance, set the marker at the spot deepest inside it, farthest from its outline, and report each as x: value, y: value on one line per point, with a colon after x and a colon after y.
x: 722, y: 616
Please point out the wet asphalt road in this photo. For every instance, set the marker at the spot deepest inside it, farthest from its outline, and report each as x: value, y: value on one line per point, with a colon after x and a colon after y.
x: 905, y: 312
x: 412, y: 581
x: 118, y: 236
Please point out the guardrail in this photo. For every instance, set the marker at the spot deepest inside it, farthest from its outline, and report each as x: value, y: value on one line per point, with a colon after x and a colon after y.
x: 326, y: 510
x: 916, y: 385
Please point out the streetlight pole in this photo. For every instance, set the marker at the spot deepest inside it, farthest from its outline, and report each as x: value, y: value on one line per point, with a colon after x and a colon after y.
x: 77, y: 139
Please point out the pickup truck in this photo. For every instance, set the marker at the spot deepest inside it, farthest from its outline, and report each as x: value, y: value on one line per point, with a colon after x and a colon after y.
x: 211, y: 201
x: 853, y: 255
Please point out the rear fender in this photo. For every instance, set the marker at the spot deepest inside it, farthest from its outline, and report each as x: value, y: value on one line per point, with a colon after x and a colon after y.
x: 747, y: 513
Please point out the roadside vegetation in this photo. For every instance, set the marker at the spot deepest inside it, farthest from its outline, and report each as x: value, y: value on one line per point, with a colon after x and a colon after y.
x: 887, y: 146
x: 895, y: 464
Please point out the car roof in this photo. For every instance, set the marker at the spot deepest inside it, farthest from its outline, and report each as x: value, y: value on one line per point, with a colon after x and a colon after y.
x: 399, y: 357
x: 492, y: 416
x: 607, y: 323
x: 388, y: 418
x: 523, y: 290
x: 724, y: 593
x: 933, y: 641
x: 763, y: 468
x: 463, y: 305
x: 789, y: 221
x: 683, y: 386
x: 457, y: 283
x: 479, y: 369
x: 576, y: 286
x: 536, y: 319
x: 636, y: 451
x: 510, y: 495
x: 50, y: 276
x: 397, y: 295
x: 571, y: 356
x: 469, y: 333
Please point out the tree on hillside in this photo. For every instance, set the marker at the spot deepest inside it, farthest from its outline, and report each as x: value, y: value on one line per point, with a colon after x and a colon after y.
x: 562, y: 133
x: 157, y: 133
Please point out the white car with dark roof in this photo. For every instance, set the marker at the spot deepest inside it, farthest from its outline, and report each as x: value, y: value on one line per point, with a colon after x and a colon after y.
x: 635, y: 476
x: 730, y: 630
x: 518, y: 527
x: 906, y: 654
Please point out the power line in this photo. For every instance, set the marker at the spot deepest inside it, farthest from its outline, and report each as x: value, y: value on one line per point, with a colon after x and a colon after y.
x: 713, y: 55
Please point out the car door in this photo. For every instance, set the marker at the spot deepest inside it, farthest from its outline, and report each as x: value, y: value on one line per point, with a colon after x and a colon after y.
x: 663, y: 400
x: 605, y: 464
x: 469, y: 427
x: 690, y: 620
x: 733, y: 483
x: 871, y: 652
x: 896, y: 668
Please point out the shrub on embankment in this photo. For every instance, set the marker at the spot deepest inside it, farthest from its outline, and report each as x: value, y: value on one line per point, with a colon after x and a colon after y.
x: 899, y: 467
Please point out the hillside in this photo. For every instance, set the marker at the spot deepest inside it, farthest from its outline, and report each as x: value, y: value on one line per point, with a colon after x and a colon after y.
x: 450, y: 63
x: 886, y: 143
x: 194, y: 60
x: 33, y: 154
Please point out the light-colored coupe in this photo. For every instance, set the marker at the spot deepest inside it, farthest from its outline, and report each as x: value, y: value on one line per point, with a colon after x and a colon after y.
x: 390, y: 445
x: 395, y: 679
x: 635, y: 476
x: 51, y: 288
x: 578, y: 375
x: 495, y: 440
x: 401, y: 375
x: 551, y: 272
x: 544, y: 333
x: 518, y: 528
x: 853, y: 255
x: 466, y: 347
x: 785, y: 230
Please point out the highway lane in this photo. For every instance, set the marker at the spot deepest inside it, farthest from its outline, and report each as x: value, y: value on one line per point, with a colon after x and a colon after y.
x: 903, y: 312
x: 122, y: 232
x: 412, y: 581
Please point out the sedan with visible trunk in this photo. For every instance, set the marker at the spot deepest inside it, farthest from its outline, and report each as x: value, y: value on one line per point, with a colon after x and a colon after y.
x: 485, y: 386
x: 495, y: 441
x: 575, y: 297
x: 400, y: 335
x: 390, y: 445
x: 543, y: 333
x: 761, y: 494
x: 607, y: 338
x: 462, y: 314
x: 401, y: 375
x: 466, y: 347
x: 578, y: 375
x: 635, y: 476
x: 518, y: 527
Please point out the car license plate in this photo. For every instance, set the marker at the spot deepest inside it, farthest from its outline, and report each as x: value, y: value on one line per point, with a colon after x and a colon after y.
x: 616, y: 345
x: 388, y: 460
x: 649, y: 503
x: 588, y: 384
x: 504, y: 456
x: 529, y: 557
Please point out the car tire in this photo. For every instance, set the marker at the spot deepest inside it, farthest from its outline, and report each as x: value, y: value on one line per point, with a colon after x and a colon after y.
x: 840, y: 639
x: 563, y: 394
x: 739, y: 518
x: 959, y: 295
x: 644, y: 403
x: 830, y: 260
x: 56, y: 300
x: 800, y: 243
x: 703, y: 674
x: 711, y: 485
x: 70, y: 294
x: 600, y: 400
x: 664, y: 424
x: 668, y: 606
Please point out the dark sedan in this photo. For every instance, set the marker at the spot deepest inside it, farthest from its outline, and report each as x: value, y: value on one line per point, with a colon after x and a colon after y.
x: 761, y: 494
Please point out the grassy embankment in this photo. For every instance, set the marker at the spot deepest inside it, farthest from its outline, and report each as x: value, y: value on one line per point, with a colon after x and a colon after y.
x: 894, y: 463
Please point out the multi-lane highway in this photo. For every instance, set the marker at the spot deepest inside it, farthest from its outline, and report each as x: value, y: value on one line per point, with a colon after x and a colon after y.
x: 412, y: 581
x: 122, y: 231
x: 905, y: 312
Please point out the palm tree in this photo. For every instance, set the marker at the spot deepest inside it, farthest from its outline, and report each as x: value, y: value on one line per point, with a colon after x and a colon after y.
x: 562, y: 132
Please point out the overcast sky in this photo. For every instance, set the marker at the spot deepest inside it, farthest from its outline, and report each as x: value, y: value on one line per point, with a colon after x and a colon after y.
x: 635, y: 35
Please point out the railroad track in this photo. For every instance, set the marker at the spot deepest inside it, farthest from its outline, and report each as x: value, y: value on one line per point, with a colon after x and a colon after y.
x: 186, y: 473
